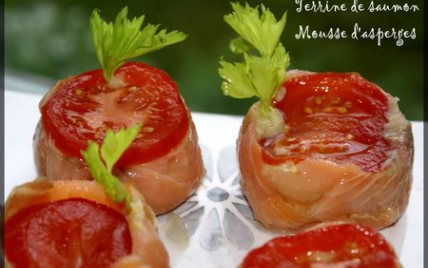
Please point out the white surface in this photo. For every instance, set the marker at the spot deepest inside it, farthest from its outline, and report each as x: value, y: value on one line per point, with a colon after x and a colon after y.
x: 215, y: 133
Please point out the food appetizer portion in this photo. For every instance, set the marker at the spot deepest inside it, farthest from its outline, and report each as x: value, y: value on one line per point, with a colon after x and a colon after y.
x: 164, y: 162
x: 317, y: 147
x: 336, y: 245
x: 83, y: 224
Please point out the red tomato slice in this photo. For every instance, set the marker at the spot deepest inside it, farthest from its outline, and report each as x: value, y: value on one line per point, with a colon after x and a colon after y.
x: 335, y: 116
x: 345, y: 245
x: 67, y: 233
x: 83, y: 107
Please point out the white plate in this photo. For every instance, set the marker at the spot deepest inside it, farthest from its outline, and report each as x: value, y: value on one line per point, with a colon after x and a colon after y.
x: 214, y: 228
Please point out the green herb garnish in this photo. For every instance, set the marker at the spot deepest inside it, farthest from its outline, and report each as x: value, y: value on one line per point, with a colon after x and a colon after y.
x: 265, y: 59
x: 101, y: 162
x: 124, y: 39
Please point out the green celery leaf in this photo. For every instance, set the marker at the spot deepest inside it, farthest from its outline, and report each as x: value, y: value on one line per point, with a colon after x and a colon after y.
x: 237, y: 82
x: 240, y: 45
x: 263, y: 77
x: 115, y: 144
x: 262, y: 31
x: 117, y: 42
x: 101, y: 162
x: 281, y: 60
x: 260, y: 74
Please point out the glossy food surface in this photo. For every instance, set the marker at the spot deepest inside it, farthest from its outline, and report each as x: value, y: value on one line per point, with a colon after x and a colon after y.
x: 83, y: 107
x: 72, y: 233
x: 334, y: 116
x: 338, y: 246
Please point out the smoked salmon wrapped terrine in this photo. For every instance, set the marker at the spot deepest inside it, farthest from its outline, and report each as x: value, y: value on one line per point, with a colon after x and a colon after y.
x: 83, y: 224
x: 164, y: 162
x: 317, y: 147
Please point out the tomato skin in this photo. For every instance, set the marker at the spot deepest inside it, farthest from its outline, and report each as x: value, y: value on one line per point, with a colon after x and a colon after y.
x: 66, y: 233
x: 83, y: 107
x: 346, y: 243
x: 334, y: 116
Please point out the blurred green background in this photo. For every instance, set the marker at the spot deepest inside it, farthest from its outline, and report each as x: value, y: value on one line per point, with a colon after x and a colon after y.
x: 52, y: 39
